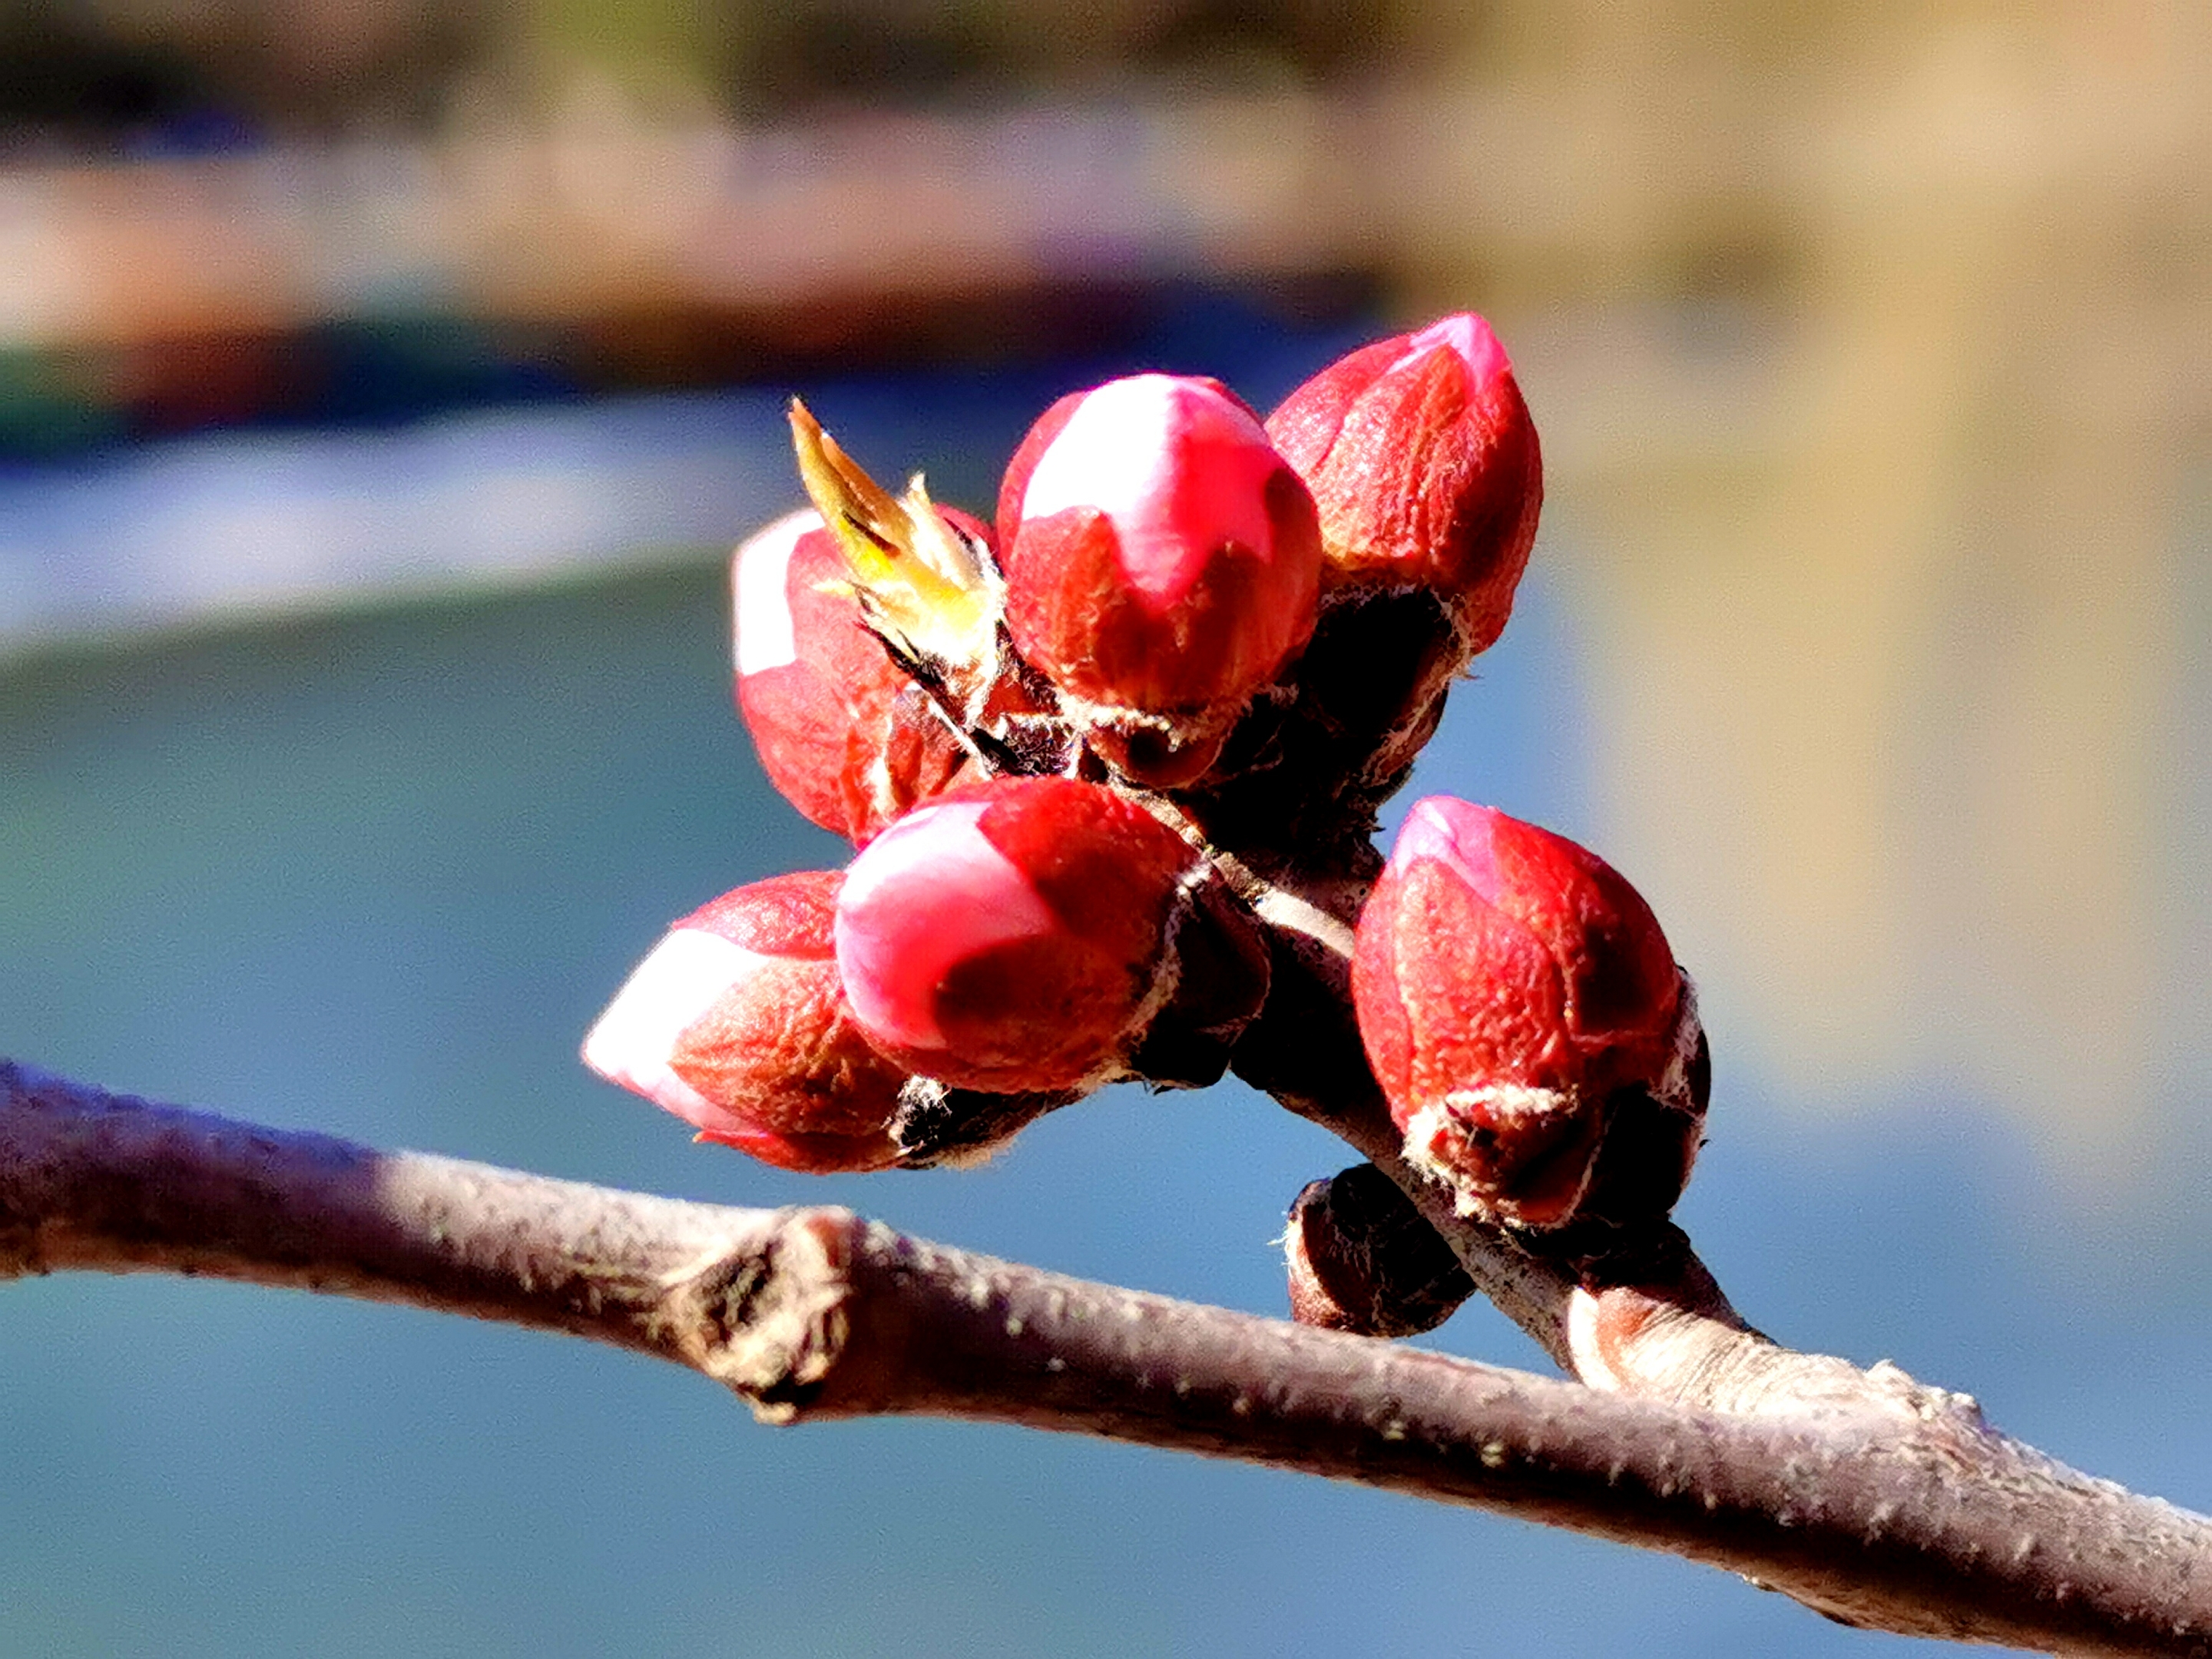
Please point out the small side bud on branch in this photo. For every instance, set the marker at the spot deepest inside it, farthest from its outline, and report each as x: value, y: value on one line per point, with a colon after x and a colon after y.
x: 1362, y: 1259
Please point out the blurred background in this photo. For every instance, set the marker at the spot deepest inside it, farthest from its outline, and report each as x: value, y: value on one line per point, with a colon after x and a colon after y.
x: 382, y: 384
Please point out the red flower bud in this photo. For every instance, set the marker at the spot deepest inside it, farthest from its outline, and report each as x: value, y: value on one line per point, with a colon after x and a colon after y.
x: 843, y: 733
x: 1162, y: 564
x: 735, y: 1022
x: 1516, y: 996
x: 1014, y: 936
x: 1425, y: 465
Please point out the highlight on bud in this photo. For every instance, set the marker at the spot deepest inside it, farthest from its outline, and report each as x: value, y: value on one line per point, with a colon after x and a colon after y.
x: 735, y: 1022
x: 1163, y: 564
x: 1014, y: 936
x: 844, y: 733
x: 1425, y: 465
x: 1521, y: 1009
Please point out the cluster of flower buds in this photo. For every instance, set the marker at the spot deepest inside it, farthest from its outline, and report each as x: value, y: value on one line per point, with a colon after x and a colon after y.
x: 1538, y: 1045
x: 1178, y: 594
x: 1007, y: 947
x: 1190, y: 632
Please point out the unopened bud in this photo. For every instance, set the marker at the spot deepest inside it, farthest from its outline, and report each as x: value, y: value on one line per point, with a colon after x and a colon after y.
x: 1015, y: 936
x: 1426, y: 467
x: 1518, y: 999
x: 1361, y: 1258
x: 1162, y: 565
x: 843, y: 732
x: 735, y: 1022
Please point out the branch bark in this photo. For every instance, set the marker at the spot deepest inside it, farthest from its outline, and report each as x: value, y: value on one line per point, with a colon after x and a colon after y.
x: 1924, y: 1521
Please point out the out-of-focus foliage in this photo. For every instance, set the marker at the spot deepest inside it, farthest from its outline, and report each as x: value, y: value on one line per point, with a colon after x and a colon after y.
x: 92, y: 72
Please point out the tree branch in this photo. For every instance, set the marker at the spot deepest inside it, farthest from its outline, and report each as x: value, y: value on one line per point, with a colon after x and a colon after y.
x: 1929, y: 1524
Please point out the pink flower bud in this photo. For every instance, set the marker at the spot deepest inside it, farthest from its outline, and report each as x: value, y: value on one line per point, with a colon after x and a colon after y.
x: 1426, y: 467
x: 735, y: 1022
x: 1014, y: 936
x: 843, y: 733
x: 1515, y: 997
x: 1161, y: 560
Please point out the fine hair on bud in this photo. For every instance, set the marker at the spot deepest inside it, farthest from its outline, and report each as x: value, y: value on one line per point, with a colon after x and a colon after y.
x: 1163, y: 565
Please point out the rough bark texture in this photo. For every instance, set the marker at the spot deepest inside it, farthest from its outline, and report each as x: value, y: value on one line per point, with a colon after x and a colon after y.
x: 1878, y: 1502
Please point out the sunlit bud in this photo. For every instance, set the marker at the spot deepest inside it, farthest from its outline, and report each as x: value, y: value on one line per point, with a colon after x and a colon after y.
x: 1517, y: 1000
x: 843, y: 732
x: 1162, y: 565
x: 735, y: 1023
x: 1426, y: 467
x: 1361, y: 1258
x: 1015, y: 936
